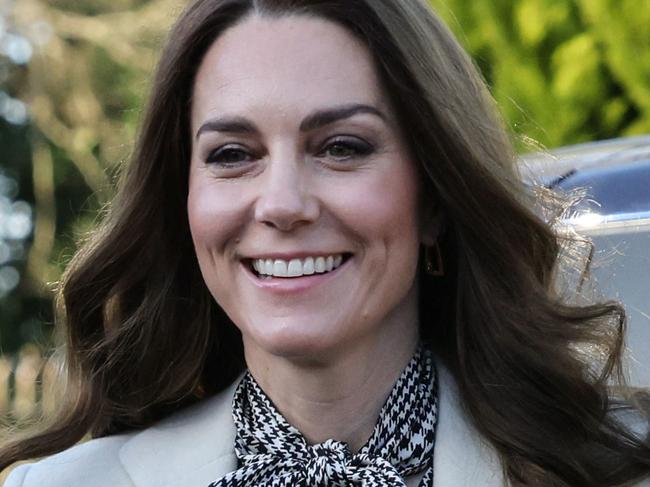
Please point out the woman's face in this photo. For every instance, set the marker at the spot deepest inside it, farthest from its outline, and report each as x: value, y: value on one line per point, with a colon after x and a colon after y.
x: 302, y: 194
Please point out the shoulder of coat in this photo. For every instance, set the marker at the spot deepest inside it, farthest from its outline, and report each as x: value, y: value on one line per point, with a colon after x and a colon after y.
x: 94, y: 462
x: 188, y: 439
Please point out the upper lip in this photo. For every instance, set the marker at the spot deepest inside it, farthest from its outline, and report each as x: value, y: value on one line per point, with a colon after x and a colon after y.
x: 293, y: 255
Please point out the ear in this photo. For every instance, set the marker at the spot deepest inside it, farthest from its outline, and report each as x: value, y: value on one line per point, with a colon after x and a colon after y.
x: 433, y: 223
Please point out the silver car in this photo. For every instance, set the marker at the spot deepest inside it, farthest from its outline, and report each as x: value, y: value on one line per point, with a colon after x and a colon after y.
x: 615, y: 175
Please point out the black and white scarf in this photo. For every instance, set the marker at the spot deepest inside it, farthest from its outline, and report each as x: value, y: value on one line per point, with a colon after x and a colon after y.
x: 273, y: 453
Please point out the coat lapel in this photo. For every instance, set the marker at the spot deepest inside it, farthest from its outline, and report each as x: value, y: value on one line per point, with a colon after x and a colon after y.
x: 195, y: 447
x: 461, y: 456
x: 189, y: 449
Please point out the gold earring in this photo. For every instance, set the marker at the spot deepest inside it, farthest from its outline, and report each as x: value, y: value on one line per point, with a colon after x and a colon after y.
x: 433, y: 263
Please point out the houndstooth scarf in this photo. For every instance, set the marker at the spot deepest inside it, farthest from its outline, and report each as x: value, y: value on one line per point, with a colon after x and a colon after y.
x: 273, y: 453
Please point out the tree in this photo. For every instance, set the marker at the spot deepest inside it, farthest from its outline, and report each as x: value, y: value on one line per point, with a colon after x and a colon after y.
x: 562, y: 71
x: 83, y: 80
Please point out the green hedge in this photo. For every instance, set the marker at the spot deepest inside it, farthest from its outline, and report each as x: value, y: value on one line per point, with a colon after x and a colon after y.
x: 562, y: 71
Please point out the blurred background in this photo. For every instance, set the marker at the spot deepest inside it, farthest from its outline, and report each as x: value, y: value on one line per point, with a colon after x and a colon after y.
x: 73, y: 76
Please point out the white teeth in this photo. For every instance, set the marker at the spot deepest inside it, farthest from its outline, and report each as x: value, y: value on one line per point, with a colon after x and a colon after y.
x: 280, y: 268
x: 308, y: 266
x: 297, y: 267
x: 319, y: 264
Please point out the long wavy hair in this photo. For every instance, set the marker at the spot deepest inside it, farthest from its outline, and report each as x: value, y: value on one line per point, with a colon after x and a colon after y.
x: 144, y: 337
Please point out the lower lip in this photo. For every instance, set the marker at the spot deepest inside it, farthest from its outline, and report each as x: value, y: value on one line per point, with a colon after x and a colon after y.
x: 293, y: 285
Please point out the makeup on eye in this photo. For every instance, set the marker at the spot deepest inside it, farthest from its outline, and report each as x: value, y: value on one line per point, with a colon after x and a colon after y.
x: 229, y: 155
x: 342, y: 148
x: 339, y: 148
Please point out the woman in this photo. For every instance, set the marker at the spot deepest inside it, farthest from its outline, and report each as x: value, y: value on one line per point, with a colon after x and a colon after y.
x: 322, y: 195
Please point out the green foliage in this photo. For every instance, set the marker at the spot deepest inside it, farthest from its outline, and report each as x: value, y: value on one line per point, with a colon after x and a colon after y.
x: 562, y: 71
x: 115, y: 82
x: 96, y: 7
x: 84, y: 86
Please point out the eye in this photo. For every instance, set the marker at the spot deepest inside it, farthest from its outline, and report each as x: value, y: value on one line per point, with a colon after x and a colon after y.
x: 229, y: 156
x: 344, y: 148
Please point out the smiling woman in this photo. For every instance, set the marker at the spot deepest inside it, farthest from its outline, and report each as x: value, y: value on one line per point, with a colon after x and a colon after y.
x: 307, y: 169
x: 322, y: 269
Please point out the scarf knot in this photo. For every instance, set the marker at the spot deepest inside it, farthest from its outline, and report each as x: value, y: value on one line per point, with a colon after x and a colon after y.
x: 327, y: 464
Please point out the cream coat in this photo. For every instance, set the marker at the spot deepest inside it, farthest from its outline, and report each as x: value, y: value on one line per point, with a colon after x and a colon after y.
x: 194, y: 447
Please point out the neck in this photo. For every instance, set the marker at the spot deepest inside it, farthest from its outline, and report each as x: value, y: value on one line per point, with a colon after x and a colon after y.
x: 337, y: 396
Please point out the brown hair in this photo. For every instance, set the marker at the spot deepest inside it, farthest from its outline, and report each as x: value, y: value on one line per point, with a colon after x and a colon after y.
x: 145, y: 337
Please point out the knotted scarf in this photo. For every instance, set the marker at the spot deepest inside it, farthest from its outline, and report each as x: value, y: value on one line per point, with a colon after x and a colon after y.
x: 273, y: 453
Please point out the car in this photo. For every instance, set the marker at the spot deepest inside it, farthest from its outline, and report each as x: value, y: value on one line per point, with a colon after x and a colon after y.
x: 614, y: 213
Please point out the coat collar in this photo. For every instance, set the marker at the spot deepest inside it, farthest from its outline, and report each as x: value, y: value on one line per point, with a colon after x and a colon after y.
x: 195, y: 447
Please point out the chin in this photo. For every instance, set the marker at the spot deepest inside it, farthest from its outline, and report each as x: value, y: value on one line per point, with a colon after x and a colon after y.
x: 290, y: 342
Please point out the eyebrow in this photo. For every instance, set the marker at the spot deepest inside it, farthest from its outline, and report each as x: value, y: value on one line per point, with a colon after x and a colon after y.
x: 313, y: 121
x: 325, y: 117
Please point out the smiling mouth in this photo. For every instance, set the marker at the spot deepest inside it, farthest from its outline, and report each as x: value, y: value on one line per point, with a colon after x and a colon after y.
x: 293, y: 268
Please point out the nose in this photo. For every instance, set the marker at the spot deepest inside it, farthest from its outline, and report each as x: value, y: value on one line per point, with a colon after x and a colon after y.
x: 285, y: 201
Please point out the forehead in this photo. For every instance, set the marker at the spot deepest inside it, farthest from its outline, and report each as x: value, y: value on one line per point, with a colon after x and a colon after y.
x: 292, y: 64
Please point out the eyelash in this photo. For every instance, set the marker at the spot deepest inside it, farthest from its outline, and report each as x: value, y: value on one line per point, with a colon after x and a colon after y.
x: 358, y: 148
x: 226, y: 149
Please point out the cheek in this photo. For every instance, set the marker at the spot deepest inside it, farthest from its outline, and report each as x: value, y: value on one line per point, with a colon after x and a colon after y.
x: 215, y: 222
x: 382, y: 208
x: 202, y: 219
x: 383, y: 214
x: 391, y: 213
x: 214, y: 216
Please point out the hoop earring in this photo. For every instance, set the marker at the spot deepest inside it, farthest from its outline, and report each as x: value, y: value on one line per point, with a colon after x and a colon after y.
x: 433, y: 263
